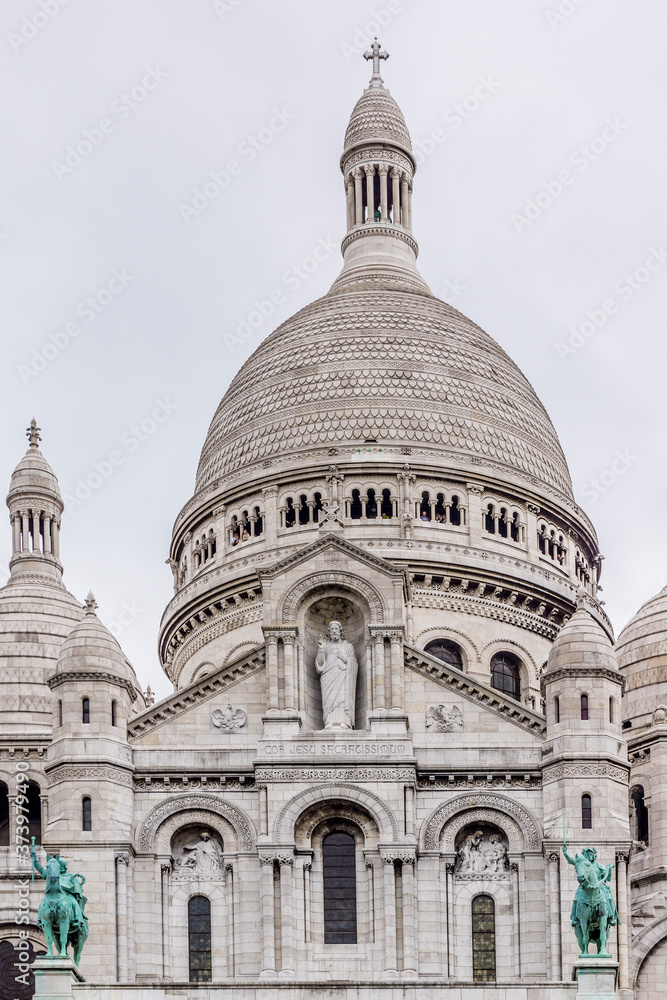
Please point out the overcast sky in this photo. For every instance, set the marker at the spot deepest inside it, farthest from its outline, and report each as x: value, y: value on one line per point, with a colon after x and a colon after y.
x: 539, y: 207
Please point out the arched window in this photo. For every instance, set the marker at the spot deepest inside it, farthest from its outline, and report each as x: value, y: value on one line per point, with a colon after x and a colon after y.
x: 199, y: 939
x: 355, y: 506
x: 515, y: 528
x: 440, y: 509
x: 258, y: 525
x: 584, y: 707
x: 113, y: 713
x: 640, y: 814
x: 371, y: 504
x: 557, y: 709
x: 586, y: 813
x: 502, y: 522
x: 304, y: 509
x: 490, y: 519
x: 86, y: 813
x: 506, y: 674
x: 34, y: 811
x: 290, y: 514
x: 386, y: 507
x: 340, y: 889
x: 483, y: 940
x: 425, y: 507
x: 455, y: 512
x: 447, y: 651
x: 4, y: 815
x: 318, y: 506
x: 85, y: 710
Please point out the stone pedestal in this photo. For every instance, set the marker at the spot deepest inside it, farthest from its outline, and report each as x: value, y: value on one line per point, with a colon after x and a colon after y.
x: 596, y: 978
x: 388, y: 723
x: 54, y: 978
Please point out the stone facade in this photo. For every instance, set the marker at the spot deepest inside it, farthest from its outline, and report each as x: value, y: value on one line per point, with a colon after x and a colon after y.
x: 378, y: 462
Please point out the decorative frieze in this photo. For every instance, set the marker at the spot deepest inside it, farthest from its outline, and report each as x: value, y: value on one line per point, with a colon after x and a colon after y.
x: 581, y: 769
x: 268, y: 774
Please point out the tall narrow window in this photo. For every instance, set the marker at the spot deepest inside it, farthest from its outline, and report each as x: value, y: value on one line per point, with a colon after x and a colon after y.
x: 86, y: 814
x: 641, y: 814
x: 355, y: 506
x: 584, y: 707
x: 483, y: 940
x: 340, y: 889
x: 85, y: 710
x: 557, y: 708
x: 611, y: 709
x: 586, y: 813
x: 4, y: 815
x: 113, y: 713
x: 60, y: 712
x: 506, y: 674
x: 34, y: 811
x: 386, y: 507
x: 199, y: 939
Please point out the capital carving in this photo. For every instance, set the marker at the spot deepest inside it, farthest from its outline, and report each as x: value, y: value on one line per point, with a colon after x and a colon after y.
x: 474, y: 489
x: 622, y: 857
x: 122, y: 859
x: 532, y: 509
x: 270, y: 491
x: 383, y: 169
x: 553, y: 857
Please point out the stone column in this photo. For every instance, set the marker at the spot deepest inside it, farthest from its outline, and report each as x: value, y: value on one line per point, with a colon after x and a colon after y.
x: 553, y: 860
x: 36, y: 546
x: 122, y: 862
x: 623, y: 928
x: 289, y: 639
x: 475, y: 513
x: 307, y: 901
x: 55, y: 535
x: 410, y: 206
x: 165, y: 870
x: 383, y: 170
x: 263, y: 810
x: 268, y: 916
x: 48, y: 545
x: 516, y: 919
x: 357, y: 173
x: 349, y: 201
x: 286, y: 914
x: 405, y: 218
x: 409, y: 916
x: 272, y: 671
x: 378, y: 669
x: 16, y: 532
x: 395, y: 197
x: 409, y: 799
x: 396, y: 671
x: 270, y: 515
x: 370, y: 192
x: 451, y: 957
x: 389, y: 892
x: 25, y: 531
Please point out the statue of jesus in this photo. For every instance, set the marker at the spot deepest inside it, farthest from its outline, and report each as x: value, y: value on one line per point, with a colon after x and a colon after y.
x: 336, y: 663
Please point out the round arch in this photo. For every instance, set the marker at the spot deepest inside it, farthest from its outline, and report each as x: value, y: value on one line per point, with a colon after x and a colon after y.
x: 496, y: 808
x: 179, y: 805
x: 293, y: 598
x: 289, y: 815
x: 645, y: 944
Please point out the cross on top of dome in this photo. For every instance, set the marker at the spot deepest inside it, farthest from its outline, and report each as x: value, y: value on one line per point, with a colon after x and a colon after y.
x: 376, y: 53
x: 32, y: 434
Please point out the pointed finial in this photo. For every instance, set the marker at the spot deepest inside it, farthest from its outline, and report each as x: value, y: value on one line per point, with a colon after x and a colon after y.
x: 32, y: 434
x: 149, y: 696
x: 376, y: 53
x: 91, y: 603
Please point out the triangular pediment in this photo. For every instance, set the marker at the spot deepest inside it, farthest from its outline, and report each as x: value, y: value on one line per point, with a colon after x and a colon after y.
x: 335, y: 543
x: 188, y: 698
x: 473, y: 690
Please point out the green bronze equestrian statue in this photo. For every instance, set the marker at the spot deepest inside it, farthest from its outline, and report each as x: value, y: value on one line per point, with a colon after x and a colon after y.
x: 593, y: 909
x: 60, y: 913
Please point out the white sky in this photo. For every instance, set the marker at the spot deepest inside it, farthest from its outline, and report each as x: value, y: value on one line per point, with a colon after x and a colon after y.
x: 219, y: 71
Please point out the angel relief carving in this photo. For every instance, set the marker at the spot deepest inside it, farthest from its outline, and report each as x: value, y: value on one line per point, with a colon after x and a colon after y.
x: 482, y: 853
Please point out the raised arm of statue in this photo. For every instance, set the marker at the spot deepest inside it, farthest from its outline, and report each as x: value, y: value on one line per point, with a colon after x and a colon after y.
x: 569, y: 859
x: 35, y: 863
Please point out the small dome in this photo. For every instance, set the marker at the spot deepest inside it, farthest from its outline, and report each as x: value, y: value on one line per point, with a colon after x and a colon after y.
x: 642, y: 656
x: 91, y: 646
x: 33, y: 475
x: 581, y: 642
x: 376, y: 117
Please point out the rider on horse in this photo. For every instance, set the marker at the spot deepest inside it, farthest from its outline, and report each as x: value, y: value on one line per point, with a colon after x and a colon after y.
x: 593, y: 907
x: 62, y: 908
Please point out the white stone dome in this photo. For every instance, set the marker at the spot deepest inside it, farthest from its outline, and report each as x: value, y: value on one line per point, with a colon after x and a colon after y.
x: 91, y: 647
x: 642, y: 656
x: 376, y: 117
x: 394, y: 367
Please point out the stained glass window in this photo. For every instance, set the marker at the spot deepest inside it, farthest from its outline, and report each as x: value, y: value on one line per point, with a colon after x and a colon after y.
x: 199, y: 939
x: 340, y: 889
x: 483, y: 940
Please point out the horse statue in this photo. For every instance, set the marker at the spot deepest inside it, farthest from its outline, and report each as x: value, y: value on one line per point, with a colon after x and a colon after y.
x: 61, y: 912
x: 593, y: 909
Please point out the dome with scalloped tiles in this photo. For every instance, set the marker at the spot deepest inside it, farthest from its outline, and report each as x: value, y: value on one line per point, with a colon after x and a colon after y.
x: 642, y: 656
x: 376, y: 117
x: 397, y: 368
